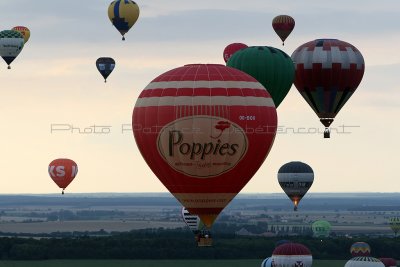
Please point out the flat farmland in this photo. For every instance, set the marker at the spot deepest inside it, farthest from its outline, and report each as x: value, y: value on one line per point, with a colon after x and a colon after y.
x: 93, y: 225
x: 153, y: 263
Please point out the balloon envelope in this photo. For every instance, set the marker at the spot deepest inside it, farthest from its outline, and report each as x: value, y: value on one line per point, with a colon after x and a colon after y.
x: 360, y: 249
x: 321, y: 228
x: 364, y: 262
x: 26, y: 33
x: 272, y: 67
x: 63, y: 171
x: 232, y: 49
x: 283, y: 25
x: 328, y: 71
x: 267, y: 262
x: 11, y: 44
x: 204, y: 130
x: 105, y: 65
x: 291, y: 254
x: 192, y: 221
x: 123, y: 14
x: 388, y: 262
x: 295, y: 178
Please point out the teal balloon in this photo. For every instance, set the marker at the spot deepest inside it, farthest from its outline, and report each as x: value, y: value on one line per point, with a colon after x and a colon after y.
x: 270, y: 66
x: 321, y: 228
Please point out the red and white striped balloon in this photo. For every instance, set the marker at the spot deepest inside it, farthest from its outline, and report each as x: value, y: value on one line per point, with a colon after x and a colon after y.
x: 204, y: 130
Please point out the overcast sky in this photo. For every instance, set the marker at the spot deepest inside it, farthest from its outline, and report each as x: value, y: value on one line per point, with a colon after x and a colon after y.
x: 54, y: 81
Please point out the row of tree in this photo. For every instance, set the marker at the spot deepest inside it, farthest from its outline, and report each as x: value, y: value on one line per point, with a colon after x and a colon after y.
x: 178, y: 244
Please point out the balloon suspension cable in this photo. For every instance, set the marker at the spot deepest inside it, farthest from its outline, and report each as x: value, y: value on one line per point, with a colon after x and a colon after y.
x: 327, y: 133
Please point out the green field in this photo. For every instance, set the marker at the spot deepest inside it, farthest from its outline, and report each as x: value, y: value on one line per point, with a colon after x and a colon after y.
x: 152, y: 263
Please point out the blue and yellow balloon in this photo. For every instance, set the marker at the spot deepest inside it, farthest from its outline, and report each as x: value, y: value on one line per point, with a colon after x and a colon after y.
x: 123, y: 14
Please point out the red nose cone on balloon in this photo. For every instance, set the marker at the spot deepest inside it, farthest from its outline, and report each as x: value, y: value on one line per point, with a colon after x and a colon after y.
x: 204, y: 130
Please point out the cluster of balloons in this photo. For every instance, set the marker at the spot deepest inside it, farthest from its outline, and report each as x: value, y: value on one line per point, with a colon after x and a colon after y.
x: 361, y: 257
x: 12, y: 41
x: 123, y: 14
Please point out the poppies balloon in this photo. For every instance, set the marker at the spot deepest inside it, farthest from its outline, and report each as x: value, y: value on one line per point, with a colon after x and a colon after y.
x: 123, y: 14
x: 360, y: 249
x: 295, y: 178
x: 364, y: 262
x: 291, y: 254
x: 63, y: 171
x: 105, y: 65
x: 272, y: 67
x: 26, y: 33
x: 204, y: 130
x: 232, y: 49
x: 11, y: 44
x: 328, y: 71
x: 283, y: 25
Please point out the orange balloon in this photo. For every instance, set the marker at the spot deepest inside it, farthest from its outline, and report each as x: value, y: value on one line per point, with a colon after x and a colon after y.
x: 63, y: 171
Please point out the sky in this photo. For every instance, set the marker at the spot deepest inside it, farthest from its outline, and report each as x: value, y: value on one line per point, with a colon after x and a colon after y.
x: 54, y: 81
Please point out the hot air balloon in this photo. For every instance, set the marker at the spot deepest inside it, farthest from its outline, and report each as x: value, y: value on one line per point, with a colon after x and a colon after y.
x: 204, y: 130
x: 360, y: 249
x: 202, y: 235
x: 123, y: 14
x: 328, y: 71
x: 283, y: 25
x: 291, y: 254
x: 26, y: 33
x: 364, y: 262
x: 105, y: 65
x: 272, y: 67
x: 394, y: 223
x: 232, y: 49
x: 321, y: 228
x: 388, y: 262
x: 11, y: 44
x: 295, y: 178
x: 267, y: 262
x: 63, y: 171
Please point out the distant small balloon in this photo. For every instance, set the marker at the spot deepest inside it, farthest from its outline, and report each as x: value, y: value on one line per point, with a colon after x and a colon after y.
x: 283, y: 25
x: 232, y: 49
x: 105, y: 65
x: 63, y: 171
x: 11, y: 44
x: 123, y: 14
x: 26, y: 33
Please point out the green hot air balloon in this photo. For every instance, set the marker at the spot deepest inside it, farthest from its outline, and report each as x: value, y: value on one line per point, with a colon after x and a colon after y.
x: 321, y: 228
x: 270, y: 66
x: 395, y: 224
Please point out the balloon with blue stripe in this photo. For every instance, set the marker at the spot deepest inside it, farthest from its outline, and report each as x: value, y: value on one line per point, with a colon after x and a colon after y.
x: 123, y: 14
x: 267, y: 262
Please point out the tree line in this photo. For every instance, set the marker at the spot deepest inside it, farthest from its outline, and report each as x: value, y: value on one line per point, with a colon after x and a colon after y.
x: 180, y: 244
